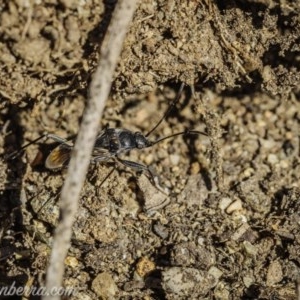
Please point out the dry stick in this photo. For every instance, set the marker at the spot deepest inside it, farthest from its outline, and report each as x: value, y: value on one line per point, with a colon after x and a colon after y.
x: 98, y: 92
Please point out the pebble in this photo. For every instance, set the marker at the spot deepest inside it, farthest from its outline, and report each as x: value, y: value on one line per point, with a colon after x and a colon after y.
x: 161, y: 230
x: 104, y: 286
x: 250, y: 249
x: 181, y: 281
x: 248, y: 281
x: 216, y: 273
x: 224, y: 203
x: 272, y: 159
x: 71, y: 261
x: 154, y: 199
x: 174, y: 158
x: 234, y: 206
x: 144, y: 267
x: 275, y: 273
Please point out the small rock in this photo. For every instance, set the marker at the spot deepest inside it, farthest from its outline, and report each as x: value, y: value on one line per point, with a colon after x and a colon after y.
x: 133, y: 285
x: 250, y: 249
x: 161, y: 230
x: 234, y: 206
x: 224, y: 203
x: 195, y: 168
x: 102, y: 229
x: 248, y: 172
x: 189, y: 254
x: 83, y: 296
x: 195, y: 191
x: 104, y: 286
x: 275, y: 273
x: 215, y: 273
x: 71, y: 261
x: 244, y: 233
x: 250, y: 191
x: 248, y: 280
x: 240, y: 232
x: 154, y: 198
x: 272, y: 159
x: 144, y: 267
x: 181, y: 281
x: 174, y: 158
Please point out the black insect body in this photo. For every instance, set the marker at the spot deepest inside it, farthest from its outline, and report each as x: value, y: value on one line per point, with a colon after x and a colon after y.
x: 117, y: 140
x: 109, y: 144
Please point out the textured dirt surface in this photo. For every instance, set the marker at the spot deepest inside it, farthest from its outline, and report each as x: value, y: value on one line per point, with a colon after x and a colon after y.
x: 225, y: 223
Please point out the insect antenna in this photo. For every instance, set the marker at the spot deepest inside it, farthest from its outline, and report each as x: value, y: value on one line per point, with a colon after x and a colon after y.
x: 16, y: 153
x: 186, y: 132
x: 168, y: 110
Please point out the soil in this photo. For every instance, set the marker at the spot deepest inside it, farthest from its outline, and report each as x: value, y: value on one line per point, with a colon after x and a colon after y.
x: 224, y: 223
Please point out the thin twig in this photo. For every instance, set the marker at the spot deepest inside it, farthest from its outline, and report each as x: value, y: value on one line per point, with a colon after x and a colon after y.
x: 98, y: 92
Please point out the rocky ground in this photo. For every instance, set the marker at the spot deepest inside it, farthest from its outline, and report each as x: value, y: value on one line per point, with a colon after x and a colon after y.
x: 225, y: 223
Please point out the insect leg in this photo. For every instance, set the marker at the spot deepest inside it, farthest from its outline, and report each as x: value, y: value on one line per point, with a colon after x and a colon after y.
x: 57, y: 139
x: 54, y: 137
x: 153, y: 177
x: 107, y: 176
x: 96, y: 159
x: 16, y: 153
x: 137, y: 167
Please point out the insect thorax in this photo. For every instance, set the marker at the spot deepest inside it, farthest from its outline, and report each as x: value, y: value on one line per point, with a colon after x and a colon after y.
x: 117, y: 140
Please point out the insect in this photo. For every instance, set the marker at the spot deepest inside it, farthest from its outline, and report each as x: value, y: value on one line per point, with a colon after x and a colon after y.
x: 110, y: 143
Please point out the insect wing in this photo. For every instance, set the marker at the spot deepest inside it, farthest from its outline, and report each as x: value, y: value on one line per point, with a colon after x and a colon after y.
x: 100, y: 154
x: 58, y: 157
